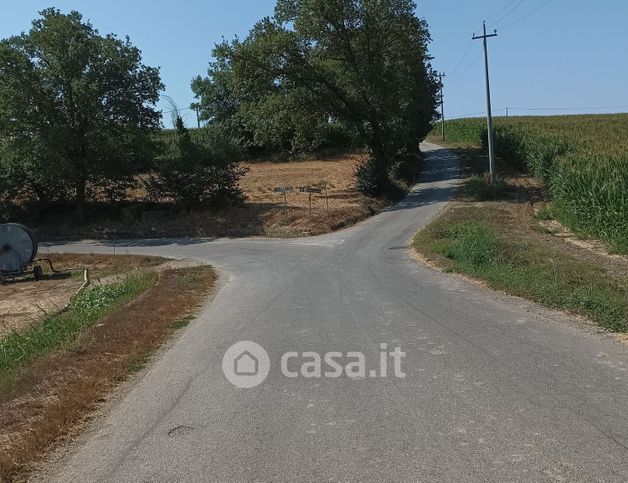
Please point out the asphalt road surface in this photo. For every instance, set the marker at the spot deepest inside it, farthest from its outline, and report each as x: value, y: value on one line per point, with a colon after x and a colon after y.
x: 495, y: 388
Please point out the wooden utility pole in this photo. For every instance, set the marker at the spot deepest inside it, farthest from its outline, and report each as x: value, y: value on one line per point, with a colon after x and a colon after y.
x: 442, y: 106
x: 489, y: 114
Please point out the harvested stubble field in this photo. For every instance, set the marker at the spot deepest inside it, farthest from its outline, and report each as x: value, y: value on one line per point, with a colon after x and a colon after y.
x: 342, y: 205
x: 263, y: 213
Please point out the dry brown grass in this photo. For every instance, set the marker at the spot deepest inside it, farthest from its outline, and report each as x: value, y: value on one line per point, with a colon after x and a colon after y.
x: 52, y: 396
x: 342, y: 206
x: 25, y: 302
x: 262, y: 214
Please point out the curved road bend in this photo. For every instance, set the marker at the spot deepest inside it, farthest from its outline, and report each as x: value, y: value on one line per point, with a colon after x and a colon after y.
x: 496, y: 389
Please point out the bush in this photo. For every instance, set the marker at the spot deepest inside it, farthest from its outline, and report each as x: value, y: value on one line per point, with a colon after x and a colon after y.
x: 369, y: 179
x: 407, y: 168
x: 194, y: 173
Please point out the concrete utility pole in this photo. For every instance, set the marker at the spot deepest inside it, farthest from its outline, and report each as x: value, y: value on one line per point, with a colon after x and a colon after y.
x: 442, y: 105
x: 198, y: 117
x: 489, y: 115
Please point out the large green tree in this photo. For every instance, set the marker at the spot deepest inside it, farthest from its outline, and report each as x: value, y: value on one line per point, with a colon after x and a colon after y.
x: 76, y: 108
x: 262, y: 114
x: 363, y: 62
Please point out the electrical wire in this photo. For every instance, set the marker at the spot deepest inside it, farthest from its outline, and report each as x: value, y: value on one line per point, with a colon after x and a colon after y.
x: 526, y: 15
x: 173, y: 110
x: 473, y: 62
x: 464, y: 56
x: 566, y: 108
x: 462, y: 116
x: 508, y: 5
x: 507, y: 14
x: 533, y: 109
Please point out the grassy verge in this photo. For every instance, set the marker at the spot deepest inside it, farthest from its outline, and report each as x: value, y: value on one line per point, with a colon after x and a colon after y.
x: 110, y: 335
x: 61, y: 330
x: 498, y: 234
x: 485, y: 243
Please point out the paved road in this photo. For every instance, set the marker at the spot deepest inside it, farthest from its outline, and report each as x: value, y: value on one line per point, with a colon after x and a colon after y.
x: 496, y: 389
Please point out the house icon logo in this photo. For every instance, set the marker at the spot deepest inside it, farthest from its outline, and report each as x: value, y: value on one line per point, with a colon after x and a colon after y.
x: 246, y: 364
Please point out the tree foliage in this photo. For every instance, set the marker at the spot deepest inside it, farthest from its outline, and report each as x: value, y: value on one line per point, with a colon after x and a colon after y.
x: 76, y: 110
x: 363, y: 63
x: 196, y: 173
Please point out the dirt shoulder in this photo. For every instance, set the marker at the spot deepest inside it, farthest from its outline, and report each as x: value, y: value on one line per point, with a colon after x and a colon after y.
x: 46, y: 401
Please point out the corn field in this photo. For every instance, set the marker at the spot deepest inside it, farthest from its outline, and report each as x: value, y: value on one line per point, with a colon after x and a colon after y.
x: 582, y: 160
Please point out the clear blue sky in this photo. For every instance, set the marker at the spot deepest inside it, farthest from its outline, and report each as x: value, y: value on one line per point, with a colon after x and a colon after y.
x: 568, y: 54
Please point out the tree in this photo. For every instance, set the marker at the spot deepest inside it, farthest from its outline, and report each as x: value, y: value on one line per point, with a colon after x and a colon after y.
x: 76, y: 108
x: 263, y: 116
x: 193, y: 172
x: 365, y: 62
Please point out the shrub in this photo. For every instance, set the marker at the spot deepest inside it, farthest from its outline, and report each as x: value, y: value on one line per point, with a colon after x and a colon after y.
x: 368, y: 178
x: 406, y: 168
x: 193, y: 173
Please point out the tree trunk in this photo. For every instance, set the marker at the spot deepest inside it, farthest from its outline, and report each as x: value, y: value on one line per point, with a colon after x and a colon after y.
x: 381, y: 160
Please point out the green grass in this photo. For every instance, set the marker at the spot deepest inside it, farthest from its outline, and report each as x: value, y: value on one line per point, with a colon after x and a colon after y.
x: 470, y: 243
x: 480, y: 189
x: 61, y: 330
x: 530, y: 269
x: 180, y: 324
x: 582, y: 160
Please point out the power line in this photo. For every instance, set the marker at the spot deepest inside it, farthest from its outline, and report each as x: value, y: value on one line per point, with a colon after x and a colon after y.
x: 526, y: 15
x: 534, y: 109
x: 464, y: 56
x: 566, y: 108
x: 470, y: 114
x: 507, y: 14
x: 501, y: 10
x: 178, y: 109
x: 473, y: 62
